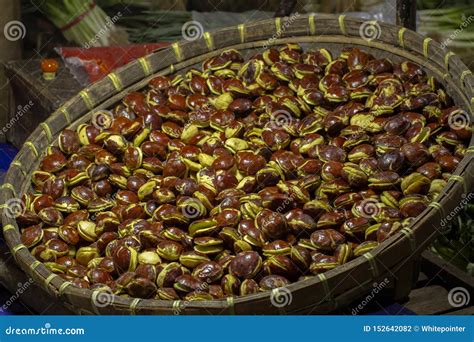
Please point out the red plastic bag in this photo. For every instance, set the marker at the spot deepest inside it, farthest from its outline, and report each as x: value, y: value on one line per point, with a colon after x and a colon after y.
x: 90, y: 65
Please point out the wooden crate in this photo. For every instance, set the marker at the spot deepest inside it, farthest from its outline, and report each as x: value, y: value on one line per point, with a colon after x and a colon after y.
x: 27, y: 84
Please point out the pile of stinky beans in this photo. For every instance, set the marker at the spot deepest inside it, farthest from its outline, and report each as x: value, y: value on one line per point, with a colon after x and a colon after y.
x: 243, y: 176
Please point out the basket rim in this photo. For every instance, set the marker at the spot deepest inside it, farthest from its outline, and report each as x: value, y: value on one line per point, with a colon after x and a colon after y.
x: 56, y: 285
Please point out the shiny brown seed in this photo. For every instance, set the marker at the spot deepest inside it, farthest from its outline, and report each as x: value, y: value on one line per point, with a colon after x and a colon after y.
x: 245, y: 265
x: 272, y: 224
x: 327, y: 239
x: 271, y: 282
x: 208, y: 272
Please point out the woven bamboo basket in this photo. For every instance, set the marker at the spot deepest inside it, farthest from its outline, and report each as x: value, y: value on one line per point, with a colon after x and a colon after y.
x: 394, y: 260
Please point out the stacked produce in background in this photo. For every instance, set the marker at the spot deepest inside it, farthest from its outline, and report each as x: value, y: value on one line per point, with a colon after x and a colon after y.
x: 147, y: 25
x: 83, y: 23
x: 456, y: 245
x: 451, y: 23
